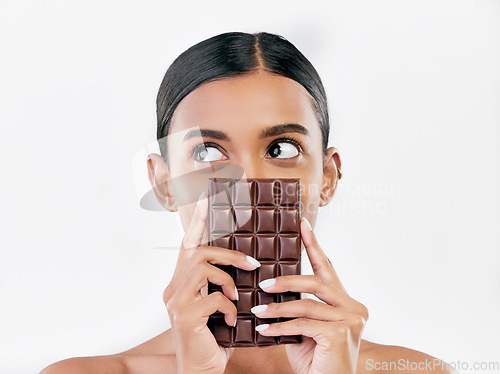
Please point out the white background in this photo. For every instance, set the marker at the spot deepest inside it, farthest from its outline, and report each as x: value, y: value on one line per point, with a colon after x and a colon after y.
x: 414, y: 93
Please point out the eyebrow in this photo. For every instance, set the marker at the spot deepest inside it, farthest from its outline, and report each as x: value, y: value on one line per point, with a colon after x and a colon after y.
x: 206, y: 133
x: 266, y: 133
x: 282, y: 129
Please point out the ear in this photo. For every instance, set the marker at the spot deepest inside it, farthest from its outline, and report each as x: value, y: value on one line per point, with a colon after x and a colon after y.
x: 331, y: 168
x: 159, y: 177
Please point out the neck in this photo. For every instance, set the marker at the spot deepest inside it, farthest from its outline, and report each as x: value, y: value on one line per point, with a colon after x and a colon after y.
x: 262, y: 360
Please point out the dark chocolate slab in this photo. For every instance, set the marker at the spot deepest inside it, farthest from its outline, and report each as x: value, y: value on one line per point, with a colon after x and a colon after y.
x: 261, y: 218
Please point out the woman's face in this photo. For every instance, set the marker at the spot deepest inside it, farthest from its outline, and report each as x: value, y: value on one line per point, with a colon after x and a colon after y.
x: 261, y: 125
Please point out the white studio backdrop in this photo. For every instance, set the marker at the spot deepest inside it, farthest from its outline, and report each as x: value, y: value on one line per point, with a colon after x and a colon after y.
x: 413, y: 231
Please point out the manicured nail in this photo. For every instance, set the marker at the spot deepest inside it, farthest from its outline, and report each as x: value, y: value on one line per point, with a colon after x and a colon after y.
x: 235, y: 320
x: 307, y: 222
x: 253, y: 261
x: 236, y: 292
x: 258, y: 309
x: 261, y: 327
x: 202, y: 196
x: 267, y: 283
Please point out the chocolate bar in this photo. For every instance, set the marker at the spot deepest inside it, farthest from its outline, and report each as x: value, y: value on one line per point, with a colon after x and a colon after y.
x: 261, y: 218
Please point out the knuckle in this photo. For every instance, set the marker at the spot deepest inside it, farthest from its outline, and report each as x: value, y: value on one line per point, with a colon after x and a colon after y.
x: 309, y: 303
x: 198, y: 256
x: 171, y: 305
x: 300, y: 322
x: 364, y: 312
x: 358, y: 321
x: 199, y: 267
x: 275, y: 308
x: 167, y: 295
x: 228, y: 279
x: 341, y: 331
x: 218, y: 297
x: 187, y: 242
x: 204, y: 250
x: 178, y: 319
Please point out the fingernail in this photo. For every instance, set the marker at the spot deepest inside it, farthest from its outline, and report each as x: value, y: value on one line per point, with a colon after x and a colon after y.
x: 267, y: 283
x: 307, y: 222
x: 261, y: 327
x: 253, y: 261
x: 202, y: 196
x: 258, y: 309
x: 235, y: 320
x: 236, y: 292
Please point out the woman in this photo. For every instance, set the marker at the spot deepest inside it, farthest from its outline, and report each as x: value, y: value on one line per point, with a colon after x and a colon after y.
x: 253, y: 104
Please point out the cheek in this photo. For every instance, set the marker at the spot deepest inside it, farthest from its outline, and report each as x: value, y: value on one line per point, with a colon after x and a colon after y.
x: 311, y: 185
x: 186, y: 185
x: 310, y: 198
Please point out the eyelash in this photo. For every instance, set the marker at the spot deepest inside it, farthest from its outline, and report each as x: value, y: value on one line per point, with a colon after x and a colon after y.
x: 284, y: 139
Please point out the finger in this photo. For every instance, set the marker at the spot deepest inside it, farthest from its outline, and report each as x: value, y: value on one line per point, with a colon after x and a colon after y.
x: 204, y: 237
x: 318, y: 330
x: 224, y: 256
x: 313, y: 284
x: 320, y: 262
x: 203, y: 308
x: 216, y: 301
x: 195, y: 231
x: 219, y: 256
x: 198, y: 277
x: 298, y: 326
x: 300, y: 308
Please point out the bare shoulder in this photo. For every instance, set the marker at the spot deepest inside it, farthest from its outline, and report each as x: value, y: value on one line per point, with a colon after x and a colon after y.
x: 156, y: 355
x: 161, y: 344
x: 380, y: 358
x: 81, y: 365
x: 118, y: 364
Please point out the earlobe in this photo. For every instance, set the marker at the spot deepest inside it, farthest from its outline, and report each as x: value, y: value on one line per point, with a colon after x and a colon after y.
x: 331, y: 175
x: 159, y: 177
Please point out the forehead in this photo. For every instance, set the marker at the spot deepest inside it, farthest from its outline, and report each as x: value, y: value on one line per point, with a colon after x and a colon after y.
x: 247, y: 102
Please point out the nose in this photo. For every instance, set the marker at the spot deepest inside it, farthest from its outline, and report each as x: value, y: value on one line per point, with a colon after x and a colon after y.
x: 256, y: 174
x: 254, y: 167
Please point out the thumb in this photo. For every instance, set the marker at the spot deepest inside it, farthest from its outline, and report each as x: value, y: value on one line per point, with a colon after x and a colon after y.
x: 320, y: 262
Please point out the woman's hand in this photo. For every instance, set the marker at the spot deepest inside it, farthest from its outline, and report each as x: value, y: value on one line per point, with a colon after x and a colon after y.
x: 331, y: 330
x: 196, y: 349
